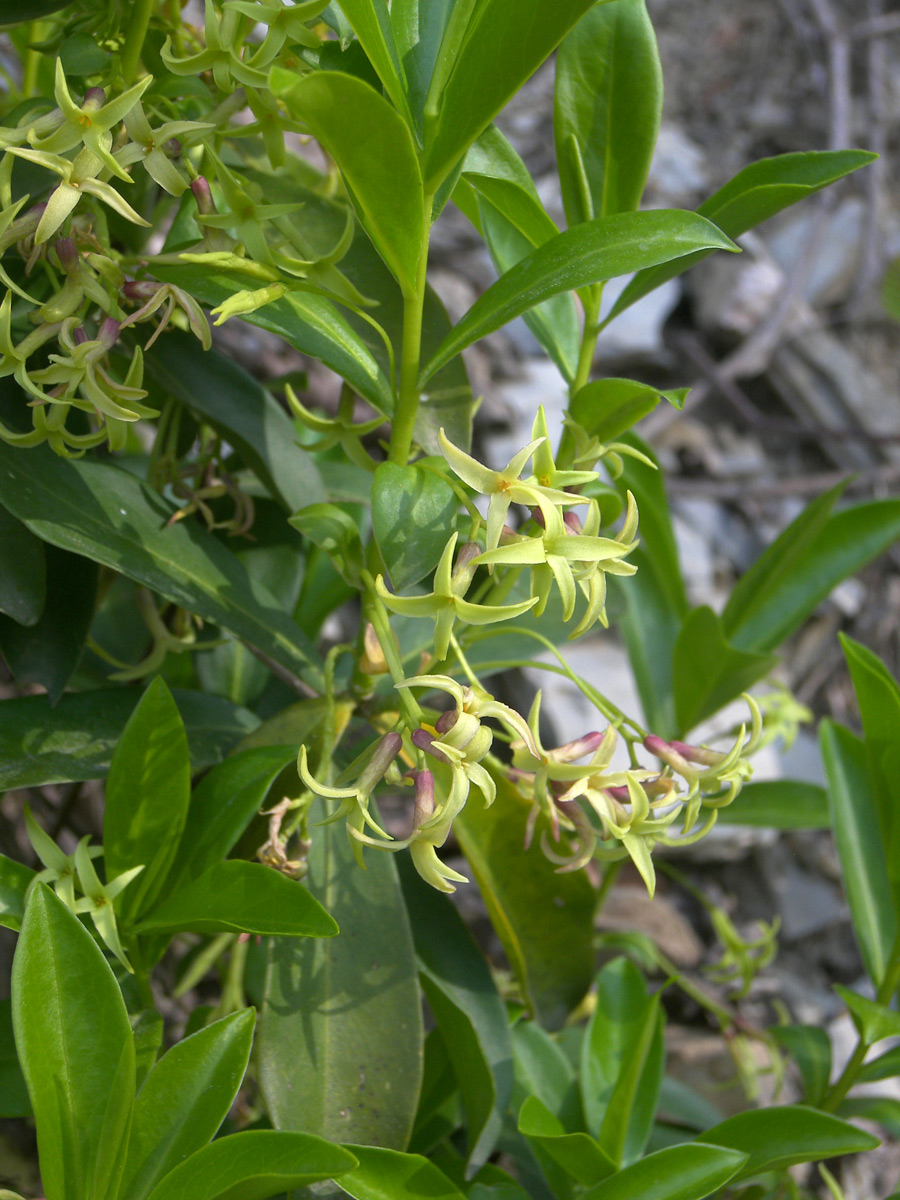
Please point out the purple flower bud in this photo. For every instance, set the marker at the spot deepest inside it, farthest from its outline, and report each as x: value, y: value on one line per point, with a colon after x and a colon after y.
x: 464, y: 571
x: 67, y: 254
x: 424, y: 798
x: 203, y: 195
x: 108, y: 332
x: 385, y: 753
x: 618, y: 793
x: 140, y: 289
x: 446, y: 721
x: 578, y: 748
x: 423, y: 739
x: 94, y: 98
x: 572, y: 521
x: 538, y: 518
x: 656, y: 745
x: 172, y: 148
x: 697, y: 754
x: 79, y: 337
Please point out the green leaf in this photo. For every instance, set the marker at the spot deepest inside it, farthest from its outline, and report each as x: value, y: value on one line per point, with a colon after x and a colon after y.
x: 221, y: 393
x: 708, y: 671
x: 679, y: 1173
x: 607, y: 408
x: 412, y: 519
x: 854, y: 820
x: 482, y: 66
x: 779, y: 804
x: 386, y: 1174
x: 810, y: 1048
x: 80, y: 55
x: 241, y: 897
x: 885, y: 1066
x: 253, y: 1165
x: 543, y: 1070
x: 372, y: 24
x: 802, y: 567
x: 23, y: 571
x: 336, y: 534
x: 76, y: 739
x: 544, y: 919
x: 577, y: 1153
x: 14, y: 880
x: 104, y: 513
x: 883, y: 1109
x: 756, y: 193
x: 147, y: 796
x: 622, y: 1062
x: 468, y: 1010
x: 32, y: 10
x: 340, y: 1034
x: 375, y: 151
x: 590, y: 253
x: 14, y: 1100
x: 607, y: 107
x: 185, y: 1099
x: 873, y: 1021
x: 419, y: 27
x: 76, y: 1050
x: 148, y: 1035
x: 48, y: 651
x: 778, y: 1137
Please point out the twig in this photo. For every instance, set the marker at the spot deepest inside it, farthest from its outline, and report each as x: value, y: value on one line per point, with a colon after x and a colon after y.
x: 294, y: 682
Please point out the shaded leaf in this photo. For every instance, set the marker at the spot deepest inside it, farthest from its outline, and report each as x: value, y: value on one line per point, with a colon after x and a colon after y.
x: 386, y: 1174
x: 708, y: 671
x: 14, y: 1100
x: 14, y: 880
x: 23, y: 572
x: 679, y: 1173
x: 413, y: 514
x: 874, y: 1022
x: 779, y: 804
x: 577, y: 1153
x: 810, y: 1048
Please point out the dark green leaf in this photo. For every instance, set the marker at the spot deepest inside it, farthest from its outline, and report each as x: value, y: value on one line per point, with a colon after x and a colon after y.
x: 76, y: 740
x: 544, y: 919
x: 148, y: 1034
x: 418, y: 30
x: 336, y: 534
x: 679, y: 1173
x: 883, y: 1109
x: 810, y: 1048
x: 80, y: 55
x: 48, y: 651
x: 220, y: 392
x: 106, y: 514
x: 590, y: 253
x: 544, y: 1071
x: 32, y: 10
x: 751, y: 197
x: 470, y: 1015
x: 241, y: 897
x: 23, y: 571
x: 76, y: 1050
x: 779, y: 804
x: 885, y: 1066
x: 708, y: 671
x: 147, y: 796
x: 854, y: 819
x: 14, y: 1100
x: 372, y: 25
x: 253, y: 1165
x: 874, y: 1022
x: 14, y: 880
x: 778, y: 1137
x: 340, y: 1033
x: 577, y: 1153
x: 385, y: 1174
x: 607, y: 106
x: 607, y: 408
x: 185, y: 1099
x: 412, y: 519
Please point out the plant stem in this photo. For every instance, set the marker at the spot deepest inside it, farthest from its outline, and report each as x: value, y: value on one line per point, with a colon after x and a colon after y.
x: 32, y: 61
x: 377, y: 614
x: 134, y: 39
x: 408, y: 397
x: 589, y: 334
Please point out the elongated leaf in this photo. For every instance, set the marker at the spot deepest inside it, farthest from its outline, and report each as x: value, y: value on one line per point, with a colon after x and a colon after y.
x: 14, y: 880
x: 76, y: 740
x: 607, y: 107
x: 32, y: 10
x: 14, y: 1100
x: 469, y: 1012
x: 590, y: 253
x: 779, y: 804
x: 185, y: 1099
x: 756, y: 193
x: 875, y: 1022
x: 778, y: 1137
x: 810, y: 1048
x: 412, y: 519
x: 77, y: 1053
x: 418, y: 31
x: 679, y: 1173
x: 375, y: 151
x: 504, y: 42
x: 253, y: 1165
x: 372, y: 24
x: 608, y: 408
x: 340, y: 1033
x: 885, y: 1066
x: 883, y: 1109
x: 23, y: 571
x: 147, y: 796
x: 708, y: 671
x: 577, y: 1153
x: 106, y: 514
x: 233, y: 402
x: 854, y: 819
x: 386, y: 1174
x: 543, y: 919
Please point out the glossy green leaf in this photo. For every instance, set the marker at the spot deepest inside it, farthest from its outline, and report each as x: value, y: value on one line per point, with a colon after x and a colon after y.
x: 779, y: 804
x: 482, y: 65
x: 810, y: 1048
x: 607, y: 107
x: 372, y: 24
x: 241, y: 897
x: 590, y: 253
x: 419, y: 27
x: 253, y: 1165
x: 76, y: 739
x: 756, y: 193
x: 708, y: 671
x: 413, y: 512
x: 622, y: 1062
x: 607, y: 408
x: 185, y: 1099
x: 387, y: 1174
x: 885, y: 1066
x: 854, y: 819
x: 468, y: 1010
x: 76, y: 1051
x: 679, y: 1173
x: 14, y: 880
x: 543, y: 1070
x: 873, y: 1022
x: 23, y: 571
x: 220, y: 392
x: 14, y: 1100
x: 680, y: 1103
x: 336, y: 534
x: 544, y: 919
x: 375, y: 151
x: 780, y: 1136
x: 883, y: 1109
x: 147, y: 796
x: 48, y: 651
x: 148, y: 1035
x: 577, y: 1153
x: 340, y: 1035
x: 104, y: 513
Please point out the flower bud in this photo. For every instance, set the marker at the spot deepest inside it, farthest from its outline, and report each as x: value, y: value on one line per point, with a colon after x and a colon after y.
x: 140, y: 289
x: 698, y: 754
x: 424, y: 741
x: 94, y: 98
x: 108, y: 333
x: 446, y: 721
x: 203, y: 195
x: 385, y: 753
x: 423, y: 807
x: 67, y: 254
x: 572, y: 521
x: 464, y: 570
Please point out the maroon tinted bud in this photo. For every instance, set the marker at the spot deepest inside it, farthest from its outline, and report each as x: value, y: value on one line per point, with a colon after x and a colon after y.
x: 94, y: 97
x: 140, y: 289
x: 67, y: 254
x: 446, y: 721
x: 423, y: 739
x: 79, y: 337
x: 618, y: 793
x: 467, y: 552
x: 424, y: 801
x: 657, y: 745
x: 109, y: 332
x: 203, y: 195
x: 172, y: 148
x: 538, y: 517
x: 572, y: 521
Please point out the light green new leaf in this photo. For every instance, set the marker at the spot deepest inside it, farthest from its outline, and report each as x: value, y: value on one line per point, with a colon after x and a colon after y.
x: 385, y: 1174
x: 607, y: 107
x: 14, y: 880
x: 375, y: 151
x: 23, y: 572
x: 413, y: 514
x: 590, y: 253
x: 76, y: 1049
x: 679, y: 1173
x: 372, y: 24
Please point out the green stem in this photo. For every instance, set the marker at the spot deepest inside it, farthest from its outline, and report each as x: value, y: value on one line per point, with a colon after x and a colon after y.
x: 134, y: 39
x: 610, y: 875
x: 589, y: 334
x: 377, y: 614
x: 32, y: 61
x: 408, y: 397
